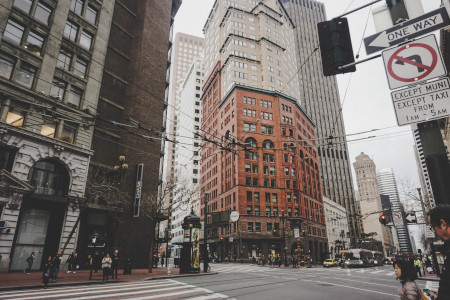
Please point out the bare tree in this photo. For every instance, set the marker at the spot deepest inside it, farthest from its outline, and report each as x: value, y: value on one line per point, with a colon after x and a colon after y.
x: 102, y: 188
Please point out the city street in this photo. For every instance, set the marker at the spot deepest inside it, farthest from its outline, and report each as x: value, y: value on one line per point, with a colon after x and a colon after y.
x: 235, y: 281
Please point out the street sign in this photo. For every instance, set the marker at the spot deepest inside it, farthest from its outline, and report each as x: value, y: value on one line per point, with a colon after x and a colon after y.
x: 296, y: 232
x: 411, y: 218
x: 408, y: 30
x: 397, y: 217
x: 420, y: 217
x: 416, y: 61
x: 234, y: 216
x: 230, y: 239
x: 429, y: 234
x: 422, y: 103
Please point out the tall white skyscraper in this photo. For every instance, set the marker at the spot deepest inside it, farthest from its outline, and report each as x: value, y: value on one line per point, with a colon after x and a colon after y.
x: 319, y: 95
x: 388, y: 186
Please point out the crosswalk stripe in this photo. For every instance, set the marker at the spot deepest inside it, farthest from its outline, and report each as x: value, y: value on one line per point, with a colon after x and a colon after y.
x: 88, y: 287
x: 146, y: 290
x: 195, y: 290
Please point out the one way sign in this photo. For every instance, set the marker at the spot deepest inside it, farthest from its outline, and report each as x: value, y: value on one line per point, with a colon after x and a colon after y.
x: 407, y: 30
x: 411, y: 218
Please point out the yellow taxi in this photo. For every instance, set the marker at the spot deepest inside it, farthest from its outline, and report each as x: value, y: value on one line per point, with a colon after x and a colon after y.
x: 329, y: 263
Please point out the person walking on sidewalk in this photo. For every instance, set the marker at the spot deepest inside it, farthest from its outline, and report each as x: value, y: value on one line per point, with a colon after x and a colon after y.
x: 417, y: 266
x: 56, y: 263
x: 115, y: 264
x: 30, y: 261
x: 439, y: 220
x: 69, y: 263
x: 106, y: 266
x: 47, y: 272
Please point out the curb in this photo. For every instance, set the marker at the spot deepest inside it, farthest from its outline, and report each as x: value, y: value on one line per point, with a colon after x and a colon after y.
x: 429, y: 279
x: 78, y: 283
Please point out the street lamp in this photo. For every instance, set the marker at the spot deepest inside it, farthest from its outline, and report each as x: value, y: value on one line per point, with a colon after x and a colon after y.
x: 284, y: 237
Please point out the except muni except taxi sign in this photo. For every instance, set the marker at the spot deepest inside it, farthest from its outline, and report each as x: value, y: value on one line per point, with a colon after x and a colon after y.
x: 422, y: 103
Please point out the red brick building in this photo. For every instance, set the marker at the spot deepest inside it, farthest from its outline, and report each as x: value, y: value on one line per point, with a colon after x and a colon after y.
x: 268, y: 166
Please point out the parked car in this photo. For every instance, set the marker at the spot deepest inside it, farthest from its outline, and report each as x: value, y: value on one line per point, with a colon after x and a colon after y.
x: 328, y: 263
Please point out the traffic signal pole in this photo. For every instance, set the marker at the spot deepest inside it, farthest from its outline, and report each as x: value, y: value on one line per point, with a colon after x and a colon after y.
x: 205, y: 233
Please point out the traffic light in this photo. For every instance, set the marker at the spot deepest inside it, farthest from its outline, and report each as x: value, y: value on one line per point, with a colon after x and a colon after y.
x: 304, y: 232
x: 169, y: 237
x: 397, y: 10
x: 221, y: 238
x: 335, y: 46
x: 384, y: 219
x: 275, y: 232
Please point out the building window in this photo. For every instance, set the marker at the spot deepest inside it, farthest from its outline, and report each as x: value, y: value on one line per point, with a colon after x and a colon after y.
x: 14, y: 32
x: 48, y: 130
x: 288, y: 198
x: 70, y: 31
x: 268, y: 211
x: 256, y: 197
x: 43, y: 13
x: 249, y: 196
x: 15, y: 118
x: 74, y: 96
x: 25, y: 75
x: 91, y: 15
x: 58, y: 89
x: 257, y: 227
x: 64, y: 59
x: 77, y: 6
x: 68, y: 132
x: 24, y: 5
x: 7, y: 156
x: 49, y: 177
x: 80, y: 67
x: 86, y: 40
x: 275, y: 211
x: 275, y: 198
x: 267, y: 197
x: 34, y: 43
x: 269, y: 227
x: 249, y: 210
x: 6, y: 66
x: 250, y: 227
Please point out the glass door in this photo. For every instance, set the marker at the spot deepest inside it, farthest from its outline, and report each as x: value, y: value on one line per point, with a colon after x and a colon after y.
x: 31, y: 236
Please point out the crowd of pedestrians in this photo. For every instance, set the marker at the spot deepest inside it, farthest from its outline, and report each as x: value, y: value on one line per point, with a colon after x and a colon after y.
x: 109, y: 265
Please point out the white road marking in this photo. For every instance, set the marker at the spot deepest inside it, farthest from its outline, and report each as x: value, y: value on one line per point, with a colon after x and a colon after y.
x: 355, y: 288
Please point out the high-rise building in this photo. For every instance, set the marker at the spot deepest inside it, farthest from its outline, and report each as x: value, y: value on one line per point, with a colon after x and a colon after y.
x: 51, y: 62
x: 370, y: 201
x: 185, y: 49
x: 187, y: 153
x: 319, y: 96
x: 424, y: 177
x: 134, y: 92
x: 259, y: 156
x: 388, y: 186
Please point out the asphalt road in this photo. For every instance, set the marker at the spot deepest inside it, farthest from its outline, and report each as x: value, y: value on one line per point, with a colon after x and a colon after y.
x: 236, y: 281
x: 256, y: 282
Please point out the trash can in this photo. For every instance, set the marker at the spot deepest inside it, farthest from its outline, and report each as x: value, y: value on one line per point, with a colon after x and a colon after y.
x: 128, y: 267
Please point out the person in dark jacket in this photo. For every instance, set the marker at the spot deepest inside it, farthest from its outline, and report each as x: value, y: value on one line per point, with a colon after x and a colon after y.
x: 439, y: 220
x: 30, y: 261
x: 115, y: 264
x: 69, y: 263
x: 56, y: 263
x: 47, y: 272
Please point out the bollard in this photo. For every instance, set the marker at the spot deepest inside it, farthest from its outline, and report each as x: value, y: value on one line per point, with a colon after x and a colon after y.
x: 168, y: 269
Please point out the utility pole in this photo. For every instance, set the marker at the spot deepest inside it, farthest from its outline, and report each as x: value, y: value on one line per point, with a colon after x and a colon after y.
x: 433, y: 252
x: 205, y: 234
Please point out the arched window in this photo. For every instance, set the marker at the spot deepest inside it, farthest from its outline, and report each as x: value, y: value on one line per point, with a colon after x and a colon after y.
x: 268, y: 144
x: 250, y: 142
x: 291, y: 147
x: 49, y: 177
x: 285, y: 146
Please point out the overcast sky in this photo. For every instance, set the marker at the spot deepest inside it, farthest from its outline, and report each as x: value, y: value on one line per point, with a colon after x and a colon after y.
x: 365, y: 95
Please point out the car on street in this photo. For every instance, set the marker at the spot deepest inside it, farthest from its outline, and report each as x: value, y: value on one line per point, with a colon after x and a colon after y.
x: 328, y: 263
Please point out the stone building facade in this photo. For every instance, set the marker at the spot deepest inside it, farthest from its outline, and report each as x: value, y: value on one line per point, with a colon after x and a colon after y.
x: 51, y: 57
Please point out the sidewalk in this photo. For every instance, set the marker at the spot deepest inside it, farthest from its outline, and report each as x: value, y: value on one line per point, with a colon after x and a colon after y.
x: 431, y: 277
x: 15, y: 281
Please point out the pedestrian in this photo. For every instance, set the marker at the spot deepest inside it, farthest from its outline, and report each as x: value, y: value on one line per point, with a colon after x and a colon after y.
x: 106, y: 266
x: 96, y: 261
x: 407, y: 276
x: 56, y: 263
x: 439, y: 220
x: 155, y: 260
x: 46, y: 273
x: 75, y: 263
x: 428, y: 265
x: 115, y: 264
x: 417, y: 266
x: 69, y: 263
x: 30, y: 260
x: 163, y: 256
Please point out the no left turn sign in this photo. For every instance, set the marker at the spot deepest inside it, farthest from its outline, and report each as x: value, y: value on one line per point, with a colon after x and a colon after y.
x: 414, y: 62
